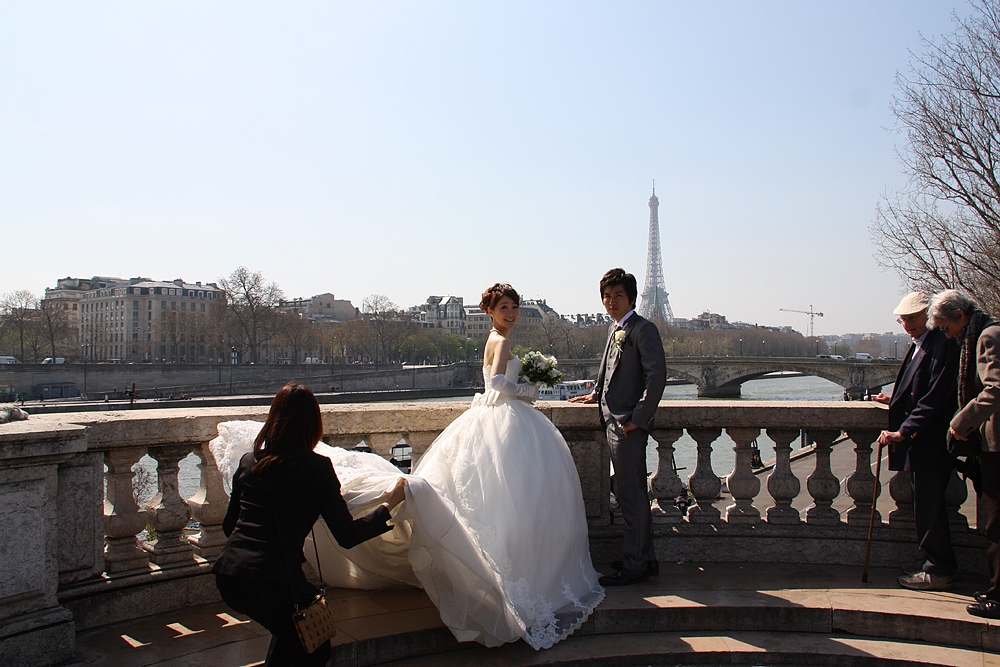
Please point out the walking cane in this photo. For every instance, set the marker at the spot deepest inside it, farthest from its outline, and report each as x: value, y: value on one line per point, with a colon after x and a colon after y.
x: 871, y: 523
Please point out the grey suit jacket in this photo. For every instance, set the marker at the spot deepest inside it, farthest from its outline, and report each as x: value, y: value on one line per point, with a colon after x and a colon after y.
x: 636, y: 375
x: 983, y: 411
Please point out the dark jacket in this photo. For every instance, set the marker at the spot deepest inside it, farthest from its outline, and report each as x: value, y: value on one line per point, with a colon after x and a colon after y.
x: 293, y: 496
x: 636, y: 377
x: 923, y: 402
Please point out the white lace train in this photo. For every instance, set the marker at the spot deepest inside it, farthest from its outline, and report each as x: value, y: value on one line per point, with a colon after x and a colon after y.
x: 493, y: 527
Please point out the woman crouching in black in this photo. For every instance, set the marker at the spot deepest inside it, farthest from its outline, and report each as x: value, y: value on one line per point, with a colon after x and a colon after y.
x: 279, y: 490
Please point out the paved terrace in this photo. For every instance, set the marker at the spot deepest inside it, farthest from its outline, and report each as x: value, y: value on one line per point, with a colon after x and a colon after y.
x: 778, y: 554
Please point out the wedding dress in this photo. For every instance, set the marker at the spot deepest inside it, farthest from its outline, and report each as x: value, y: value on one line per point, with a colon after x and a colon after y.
x: 493, y: 527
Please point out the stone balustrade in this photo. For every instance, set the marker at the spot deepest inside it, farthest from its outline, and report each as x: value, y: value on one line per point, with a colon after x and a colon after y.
x: 65, y: 569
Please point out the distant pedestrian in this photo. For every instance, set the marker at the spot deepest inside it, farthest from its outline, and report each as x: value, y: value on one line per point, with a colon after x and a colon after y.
x: 978, y: 417
x: 920, y: 408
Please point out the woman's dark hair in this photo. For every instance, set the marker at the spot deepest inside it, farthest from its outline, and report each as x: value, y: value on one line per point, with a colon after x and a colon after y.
x: 293, y: 427
x: 493, y: 295
x: 619, y: 277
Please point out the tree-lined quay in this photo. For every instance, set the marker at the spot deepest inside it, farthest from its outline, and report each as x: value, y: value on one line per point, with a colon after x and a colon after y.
x: 245, y: 318
x: 94, y: 571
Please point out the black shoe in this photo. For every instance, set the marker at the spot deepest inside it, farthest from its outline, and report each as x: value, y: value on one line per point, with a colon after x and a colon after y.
x: 979, y: 596
x: 624, y: 578
x: 652, y: 567
x: 987, y: 609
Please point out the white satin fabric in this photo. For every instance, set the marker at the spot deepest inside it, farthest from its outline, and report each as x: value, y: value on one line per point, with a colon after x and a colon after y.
x: 493, y: 527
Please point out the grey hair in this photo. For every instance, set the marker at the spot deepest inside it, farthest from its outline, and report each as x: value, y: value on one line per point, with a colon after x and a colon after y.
x: 948, y: 306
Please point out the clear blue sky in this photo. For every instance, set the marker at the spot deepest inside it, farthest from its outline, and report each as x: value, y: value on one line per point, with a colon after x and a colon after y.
x: 417, y: 148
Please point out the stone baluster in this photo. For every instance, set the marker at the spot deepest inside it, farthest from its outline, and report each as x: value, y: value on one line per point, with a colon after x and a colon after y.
x: 208, y: 507
x: 122, y: 519
x: 861, y: 483
x: 592, y: 457
x: 783, y: 486
x: 822, y: 484
x: 954, y: 496
x: 743, y: 484
x: 901, y: 490
x: 167, y: 512
x: 704, y: 484
x: 665, y: 483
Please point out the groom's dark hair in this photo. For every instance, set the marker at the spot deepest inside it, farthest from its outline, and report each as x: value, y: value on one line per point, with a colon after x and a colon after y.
x: 619, y: 277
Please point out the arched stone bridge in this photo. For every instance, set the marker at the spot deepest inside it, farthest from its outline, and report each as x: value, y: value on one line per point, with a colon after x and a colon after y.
x: 721, y: 377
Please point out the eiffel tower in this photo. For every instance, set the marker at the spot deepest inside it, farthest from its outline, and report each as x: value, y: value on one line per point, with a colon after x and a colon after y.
x: 653, y: 304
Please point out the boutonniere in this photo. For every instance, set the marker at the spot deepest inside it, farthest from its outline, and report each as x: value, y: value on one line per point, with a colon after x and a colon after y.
x: 619, y: 338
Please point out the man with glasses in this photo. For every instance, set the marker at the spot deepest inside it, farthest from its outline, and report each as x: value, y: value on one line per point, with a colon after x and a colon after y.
x: 921, y: 407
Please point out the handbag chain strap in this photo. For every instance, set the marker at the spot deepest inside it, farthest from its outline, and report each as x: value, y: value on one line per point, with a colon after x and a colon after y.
x: 284, y: 555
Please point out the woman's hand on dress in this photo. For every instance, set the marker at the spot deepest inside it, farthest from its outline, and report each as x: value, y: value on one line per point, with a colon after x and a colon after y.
x: 397, y: 495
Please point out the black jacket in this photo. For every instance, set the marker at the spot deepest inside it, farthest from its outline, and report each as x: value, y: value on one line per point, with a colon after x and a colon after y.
x: 291, y: 496
x: 923, y: 402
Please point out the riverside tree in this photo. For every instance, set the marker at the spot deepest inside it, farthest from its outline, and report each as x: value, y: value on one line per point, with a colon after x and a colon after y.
x: 253, y: 303
x: 942, y: 230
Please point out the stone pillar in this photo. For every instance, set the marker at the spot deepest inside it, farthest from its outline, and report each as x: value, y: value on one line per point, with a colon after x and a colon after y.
x: 208, y: 507
x: 122, y: 519
x: 34, y: 628
x: 783, y: 486
x: 861, y: 483
x: 901, y: 490
x: 703, y: 483
x: 167, y: 511
x: 743, y: 484
x: 665, y: 483
x: 593, y: 462
x: 81, y: 528
x: 822, y: 484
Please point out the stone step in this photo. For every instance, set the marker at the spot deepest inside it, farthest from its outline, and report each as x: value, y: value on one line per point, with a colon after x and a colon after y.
x: 706, y: 648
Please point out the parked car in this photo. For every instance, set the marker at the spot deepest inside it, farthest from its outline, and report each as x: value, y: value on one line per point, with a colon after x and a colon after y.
x: 57, y: 360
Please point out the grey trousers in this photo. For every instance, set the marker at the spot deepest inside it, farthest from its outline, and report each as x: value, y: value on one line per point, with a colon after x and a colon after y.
x: 628, y: 453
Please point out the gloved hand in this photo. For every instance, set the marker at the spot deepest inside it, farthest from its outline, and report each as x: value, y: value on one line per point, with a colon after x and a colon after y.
x: 527, y: 392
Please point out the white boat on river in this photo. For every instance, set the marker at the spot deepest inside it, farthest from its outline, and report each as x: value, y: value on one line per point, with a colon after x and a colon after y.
x: 566, y: 390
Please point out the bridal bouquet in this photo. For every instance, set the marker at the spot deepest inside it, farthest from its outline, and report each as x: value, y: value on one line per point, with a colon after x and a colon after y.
x: 541, y: 368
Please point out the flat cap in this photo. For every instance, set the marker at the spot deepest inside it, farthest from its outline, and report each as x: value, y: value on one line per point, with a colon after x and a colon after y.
x: 912, y: 303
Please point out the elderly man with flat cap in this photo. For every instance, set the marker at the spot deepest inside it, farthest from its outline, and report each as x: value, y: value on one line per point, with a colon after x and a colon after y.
x: 920, y: 409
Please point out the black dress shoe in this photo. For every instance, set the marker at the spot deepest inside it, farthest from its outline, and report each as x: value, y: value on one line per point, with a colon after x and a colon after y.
x: 987, y: 609
x: 652, y: 567
x: 624, y: 578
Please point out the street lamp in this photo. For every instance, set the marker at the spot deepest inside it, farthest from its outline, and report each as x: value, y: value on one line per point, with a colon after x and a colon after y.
x: 763, y: 348
x: 741, y: 347
x: 231, y: 365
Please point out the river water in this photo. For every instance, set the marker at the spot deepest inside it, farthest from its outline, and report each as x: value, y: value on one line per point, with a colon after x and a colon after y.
x: 788, y: 388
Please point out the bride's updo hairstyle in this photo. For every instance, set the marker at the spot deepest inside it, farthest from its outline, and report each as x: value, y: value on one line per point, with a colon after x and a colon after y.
x: 493, y: 295
x: 293, y: 427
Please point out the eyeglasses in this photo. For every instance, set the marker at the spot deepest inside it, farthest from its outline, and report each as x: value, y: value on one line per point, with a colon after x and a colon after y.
x: 910, y: 319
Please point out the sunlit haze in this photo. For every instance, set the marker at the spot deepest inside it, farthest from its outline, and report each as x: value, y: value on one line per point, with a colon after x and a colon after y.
x: 418, y: 148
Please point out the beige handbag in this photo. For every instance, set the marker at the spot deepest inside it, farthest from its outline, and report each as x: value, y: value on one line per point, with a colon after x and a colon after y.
x: 315, y: 622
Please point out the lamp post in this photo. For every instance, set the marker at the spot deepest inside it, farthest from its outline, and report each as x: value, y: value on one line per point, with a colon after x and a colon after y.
x: 763, y: 348
x: 741, y: 347
x: 231, y: 365
x: 83, y: 351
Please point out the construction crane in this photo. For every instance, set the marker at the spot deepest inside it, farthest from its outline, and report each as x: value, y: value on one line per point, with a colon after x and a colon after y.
x: 811, y: 313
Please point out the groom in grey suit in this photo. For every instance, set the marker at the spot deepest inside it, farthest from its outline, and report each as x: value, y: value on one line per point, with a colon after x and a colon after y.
x: 629, y: 387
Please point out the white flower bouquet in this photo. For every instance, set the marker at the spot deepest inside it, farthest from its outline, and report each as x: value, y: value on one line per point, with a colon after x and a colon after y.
x: 541, y: 369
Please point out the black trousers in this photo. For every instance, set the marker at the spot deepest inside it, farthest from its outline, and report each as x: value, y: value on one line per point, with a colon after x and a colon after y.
x: 628, y: 453
x: 930, y: 514
x: 990, y: 463
x: 270, y: 604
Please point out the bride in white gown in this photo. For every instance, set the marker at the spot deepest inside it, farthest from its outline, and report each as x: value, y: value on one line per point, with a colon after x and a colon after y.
x: 494, y: 528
